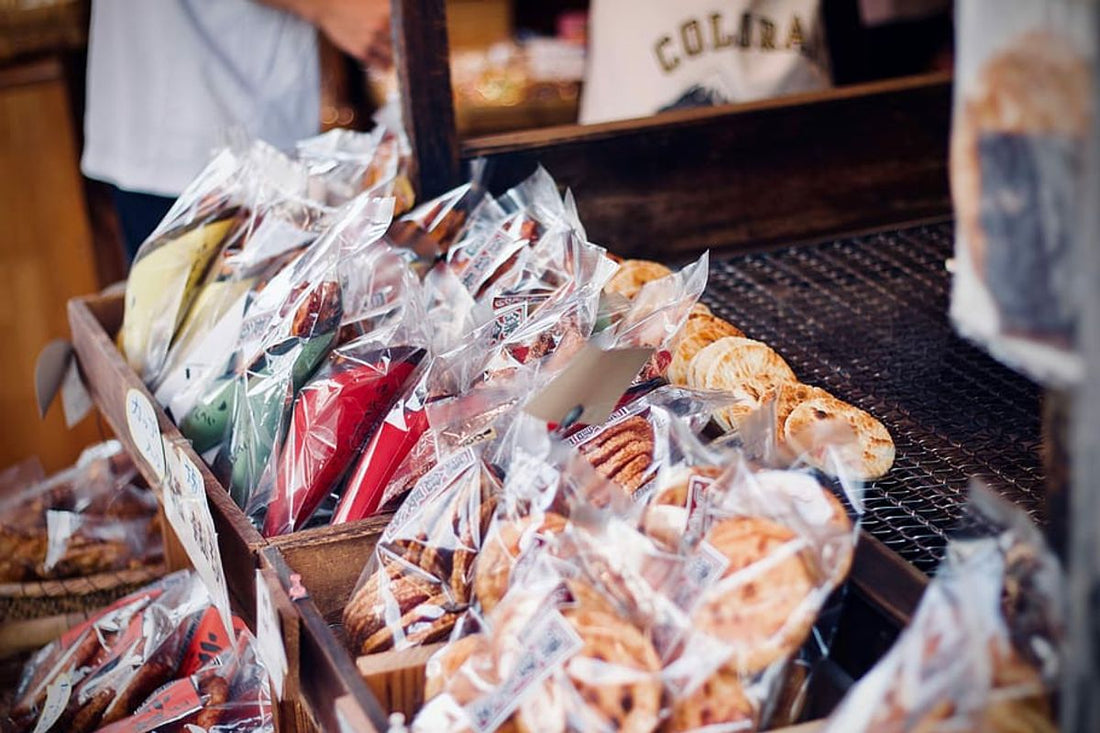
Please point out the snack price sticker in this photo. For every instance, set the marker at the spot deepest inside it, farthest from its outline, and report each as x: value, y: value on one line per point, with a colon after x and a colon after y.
x: 141, y: 419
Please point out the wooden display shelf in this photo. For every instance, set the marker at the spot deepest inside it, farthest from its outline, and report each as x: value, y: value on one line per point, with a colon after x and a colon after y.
x: 94, y: 321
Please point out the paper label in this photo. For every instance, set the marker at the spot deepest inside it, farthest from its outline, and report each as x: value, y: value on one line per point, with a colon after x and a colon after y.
x: 701, y: 571
x: 430, y: 484
x: 552, y: 642
x: 511, y: 312
x: 269, y: 635
x: 57, y: 698
x: 141, y: 419
x: 594, y: 380
x: 207, y: 643
x: 75, y: 400
x: 171, y: 702
x: 489, y: 258
x: 188, y: 512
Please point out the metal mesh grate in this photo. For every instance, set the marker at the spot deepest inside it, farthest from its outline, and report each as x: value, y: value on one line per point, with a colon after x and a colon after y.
x: 866, y: 319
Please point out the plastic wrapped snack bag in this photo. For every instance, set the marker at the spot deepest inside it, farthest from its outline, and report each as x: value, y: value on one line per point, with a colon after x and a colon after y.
x: 100, y: 671
x: 281, y: 222
x: 1023, y: 114
x: 982, y: 651
x: 172, y: 262
x: 88, y: 519
x: 760, y: 564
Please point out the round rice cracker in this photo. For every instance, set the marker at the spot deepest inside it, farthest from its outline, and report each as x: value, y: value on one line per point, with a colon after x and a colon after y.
x: 493, y: 568
x: 747, y: 369
x: 719, y: 700
x: 632, y: 276
x: 862, y: 444
x: 698, y: 332
x: 733, y: 360
x: 759, y: 608
x: 1039, y: 86
x: 609, y: 645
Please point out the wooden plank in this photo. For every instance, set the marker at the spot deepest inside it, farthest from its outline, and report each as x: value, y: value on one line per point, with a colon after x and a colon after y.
x: 331, y: 674
x: 892, y: 585
x: 109, y: 378
x: 330, y: 562
x: 749, y: 175
x: 424, y: 77
x: 397, y: 678
x: 46, y: 256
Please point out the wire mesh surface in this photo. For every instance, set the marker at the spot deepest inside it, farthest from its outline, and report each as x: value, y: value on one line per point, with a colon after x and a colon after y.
x: 866, y: 319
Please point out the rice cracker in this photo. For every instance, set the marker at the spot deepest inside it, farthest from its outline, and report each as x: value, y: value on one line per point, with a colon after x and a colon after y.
x: 862, y: 444
x: 700, y: 331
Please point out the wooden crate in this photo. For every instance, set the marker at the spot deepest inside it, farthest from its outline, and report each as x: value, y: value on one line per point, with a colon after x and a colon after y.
x: 94, y: 321
x: 884, y: 591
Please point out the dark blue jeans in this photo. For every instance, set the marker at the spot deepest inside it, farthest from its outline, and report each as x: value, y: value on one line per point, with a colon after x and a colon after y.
x: 138, y: 215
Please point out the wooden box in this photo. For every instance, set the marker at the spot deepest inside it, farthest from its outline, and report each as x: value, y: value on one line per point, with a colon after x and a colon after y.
x: 336, y: 685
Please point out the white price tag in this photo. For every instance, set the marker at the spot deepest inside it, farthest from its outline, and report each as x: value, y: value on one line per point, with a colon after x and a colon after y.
x: 144, y: 430
x: 269, y: 635
x: 189, y: 514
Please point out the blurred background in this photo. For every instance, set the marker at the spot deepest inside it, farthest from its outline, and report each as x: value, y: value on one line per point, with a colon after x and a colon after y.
x: 515, y: 65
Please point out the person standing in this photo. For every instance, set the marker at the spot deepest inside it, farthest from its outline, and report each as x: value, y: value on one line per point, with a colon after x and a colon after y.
x: 168, y: 79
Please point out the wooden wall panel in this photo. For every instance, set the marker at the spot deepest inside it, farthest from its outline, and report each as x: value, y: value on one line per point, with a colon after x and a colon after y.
x: 46, y: 257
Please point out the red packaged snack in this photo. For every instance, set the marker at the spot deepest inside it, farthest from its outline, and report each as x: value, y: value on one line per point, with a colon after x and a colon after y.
x: 229, y: 693
x: 331, y: 417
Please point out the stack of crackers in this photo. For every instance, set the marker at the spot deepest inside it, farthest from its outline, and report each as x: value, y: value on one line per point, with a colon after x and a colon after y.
x: 713, y: 354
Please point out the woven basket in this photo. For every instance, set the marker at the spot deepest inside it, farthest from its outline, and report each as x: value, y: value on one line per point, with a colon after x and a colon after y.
x: 35, y: 612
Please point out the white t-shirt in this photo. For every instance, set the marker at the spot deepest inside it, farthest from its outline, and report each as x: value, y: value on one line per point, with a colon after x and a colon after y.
x: 169, y: 79
x: 648, y: 56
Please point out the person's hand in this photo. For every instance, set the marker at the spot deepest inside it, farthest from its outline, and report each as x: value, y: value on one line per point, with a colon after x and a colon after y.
x: 360, y: 28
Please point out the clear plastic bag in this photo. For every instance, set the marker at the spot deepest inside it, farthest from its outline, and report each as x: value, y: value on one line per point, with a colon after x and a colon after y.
x: 431, y: 228
x: 174, y: 259
x: 281, y: 222
x: 984, y: 648
x: 332, y: 416
x: 635, y: 442
x: 87, y: 519
x: 559, y: 652
x: 286, y: 333
x: 760, y: 564
x: 229, y: 694
x: 418, y: 581
x: 1022, y: 125
x: 98, y: 672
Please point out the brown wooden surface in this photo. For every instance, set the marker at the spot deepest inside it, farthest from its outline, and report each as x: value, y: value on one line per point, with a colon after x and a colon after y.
x: 45, y: 257
x: 327, y: 672
x: 397, y: 678
x: 749, y: 175
x: 331, y: 559
x: 888, y: 582
x: 424, y: 78
x: 109, y: 378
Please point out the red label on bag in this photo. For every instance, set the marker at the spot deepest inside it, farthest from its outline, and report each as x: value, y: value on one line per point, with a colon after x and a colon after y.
x: 208, y: 642
x: 172, y: 702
